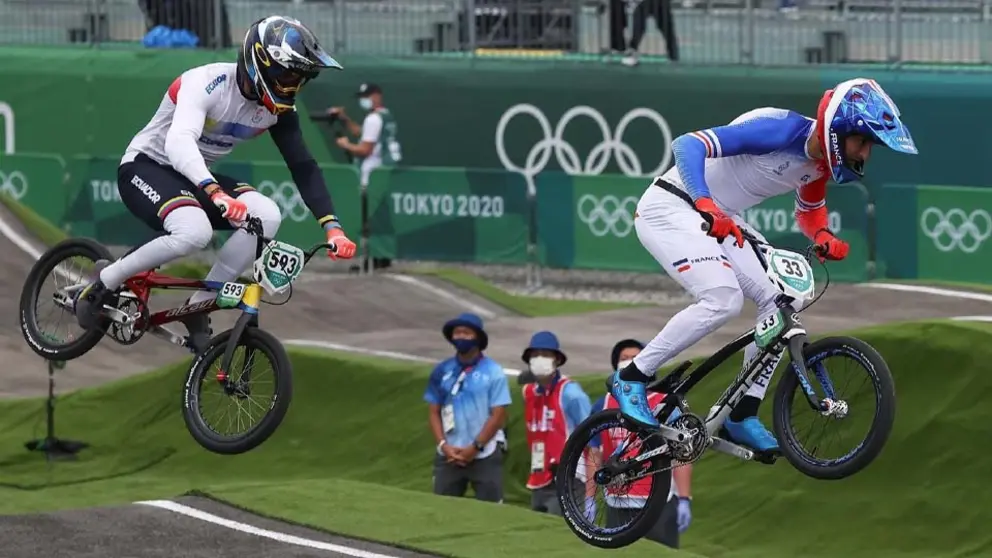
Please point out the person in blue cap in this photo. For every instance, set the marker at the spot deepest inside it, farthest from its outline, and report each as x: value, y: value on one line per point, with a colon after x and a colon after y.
x: 553, y: 406
x: 468, y: 396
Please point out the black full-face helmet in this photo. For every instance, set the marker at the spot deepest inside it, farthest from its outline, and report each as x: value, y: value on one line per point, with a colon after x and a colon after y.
x: 278, y: 57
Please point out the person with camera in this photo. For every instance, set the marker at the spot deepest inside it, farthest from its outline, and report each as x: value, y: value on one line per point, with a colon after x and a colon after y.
x: 378, y: 144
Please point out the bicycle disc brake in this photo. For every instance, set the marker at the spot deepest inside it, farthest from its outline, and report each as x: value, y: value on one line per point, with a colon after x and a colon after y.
x: 137, y: 316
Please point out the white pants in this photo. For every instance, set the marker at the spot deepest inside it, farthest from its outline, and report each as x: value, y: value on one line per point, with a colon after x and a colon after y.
x: 190, y: 230
x: 718, y: 276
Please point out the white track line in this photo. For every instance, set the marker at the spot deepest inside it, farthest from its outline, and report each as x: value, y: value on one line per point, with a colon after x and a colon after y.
x: 245, y: 528
x: 972, y: 318
x: 937, y: 291
x: 372, y: 352
x: 447, y: 295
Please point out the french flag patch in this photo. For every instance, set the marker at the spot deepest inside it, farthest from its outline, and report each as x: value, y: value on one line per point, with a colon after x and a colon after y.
x: 682, y: 265
x: 726, y: 261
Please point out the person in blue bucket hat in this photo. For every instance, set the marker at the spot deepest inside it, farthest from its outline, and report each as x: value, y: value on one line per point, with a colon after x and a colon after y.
x: 553, y: 406
x: 468, y: 396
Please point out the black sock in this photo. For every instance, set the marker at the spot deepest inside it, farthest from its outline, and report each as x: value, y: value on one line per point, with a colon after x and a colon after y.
x: 748, y: 407
x: 632, y: 374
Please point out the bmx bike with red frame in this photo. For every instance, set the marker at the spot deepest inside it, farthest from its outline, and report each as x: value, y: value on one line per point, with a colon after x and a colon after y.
x: 126, y: 318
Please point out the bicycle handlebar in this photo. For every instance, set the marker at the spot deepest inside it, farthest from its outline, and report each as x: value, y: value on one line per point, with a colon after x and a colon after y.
x: 819, y: 249
x: 253, y: 226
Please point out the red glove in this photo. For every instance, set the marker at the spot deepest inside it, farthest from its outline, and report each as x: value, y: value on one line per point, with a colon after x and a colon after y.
x: 345, y: 248
x: 721, y: 226
x: 834, y: 248
x: 230, y: 208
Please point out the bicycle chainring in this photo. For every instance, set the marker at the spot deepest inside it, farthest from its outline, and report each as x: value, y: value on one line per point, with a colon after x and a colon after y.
x: 697, y: 441
x: 685, y: 452
x: 138, y: 311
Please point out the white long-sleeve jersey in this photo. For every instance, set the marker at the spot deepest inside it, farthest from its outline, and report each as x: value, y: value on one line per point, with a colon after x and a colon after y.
x: 760, y: 154
x: 203, y: 116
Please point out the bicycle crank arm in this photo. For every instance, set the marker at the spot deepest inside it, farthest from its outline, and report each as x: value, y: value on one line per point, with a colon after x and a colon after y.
x: 796, y: 345
x: 729, y: 448
x: 168, y: 335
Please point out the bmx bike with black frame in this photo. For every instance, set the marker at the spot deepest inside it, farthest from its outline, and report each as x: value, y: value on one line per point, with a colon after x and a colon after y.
x: 683, y: 437
x: 126, y: 318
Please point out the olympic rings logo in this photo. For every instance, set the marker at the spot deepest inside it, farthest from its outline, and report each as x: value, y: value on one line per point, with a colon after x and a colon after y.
x: 14, y: 184
x: 608, y: 214
x: 287, y: 197
x: 956, y: 229
x: 568, y: 158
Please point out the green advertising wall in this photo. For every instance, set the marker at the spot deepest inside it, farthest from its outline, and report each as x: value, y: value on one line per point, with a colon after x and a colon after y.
x: 530, y: 116
x: 573, y: 222
x: 508, y: 162
x: 935, y: 232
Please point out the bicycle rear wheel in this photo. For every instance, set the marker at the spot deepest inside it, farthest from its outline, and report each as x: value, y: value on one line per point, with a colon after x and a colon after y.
x: 67, y: 264
x: 634, y: 494
x: 239, y: 387
x: 868, y: 367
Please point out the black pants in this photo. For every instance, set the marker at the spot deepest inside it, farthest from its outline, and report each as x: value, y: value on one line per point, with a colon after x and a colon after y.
x: 664, y: 531
x: 545, y: 499
x: 485, y: 475
x: 662, y: 12
x: 151, y: 191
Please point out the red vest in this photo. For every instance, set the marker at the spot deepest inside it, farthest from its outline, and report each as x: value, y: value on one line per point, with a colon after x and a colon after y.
x: 547, y: 429
x: 614, y: 436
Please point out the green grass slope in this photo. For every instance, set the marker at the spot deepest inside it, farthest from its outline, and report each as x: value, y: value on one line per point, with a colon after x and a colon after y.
x: 354, y: 456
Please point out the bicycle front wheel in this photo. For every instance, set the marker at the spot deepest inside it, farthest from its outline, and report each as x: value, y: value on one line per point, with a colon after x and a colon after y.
x: 233, y: 411
x: 601, y: 454
x: 855, y: 377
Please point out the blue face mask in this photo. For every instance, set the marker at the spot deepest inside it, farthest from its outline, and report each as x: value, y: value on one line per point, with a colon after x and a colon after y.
x: 464, y: 345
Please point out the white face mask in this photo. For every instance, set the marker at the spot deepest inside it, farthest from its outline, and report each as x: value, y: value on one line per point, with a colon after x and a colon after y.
x: 542, y: 366
x: 365, y: 103
x: 624, y: 363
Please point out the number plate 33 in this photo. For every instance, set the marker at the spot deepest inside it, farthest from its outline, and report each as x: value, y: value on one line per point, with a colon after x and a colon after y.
x: 278, y: 266
x: 792, y: 274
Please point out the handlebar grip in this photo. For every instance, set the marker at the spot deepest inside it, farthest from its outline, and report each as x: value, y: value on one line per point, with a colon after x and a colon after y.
x: 704, y: 226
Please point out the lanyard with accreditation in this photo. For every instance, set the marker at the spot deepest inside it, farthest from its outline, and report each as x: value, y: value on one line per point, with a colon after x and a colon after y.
x: 448, y: 411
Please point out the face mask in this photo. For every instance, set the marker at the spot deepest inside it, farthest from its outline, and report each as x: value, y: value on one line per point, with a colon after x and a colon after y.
x: 624, y: 363
x: 542, y: 366
x: 365, y: 103
x: 464, y: 345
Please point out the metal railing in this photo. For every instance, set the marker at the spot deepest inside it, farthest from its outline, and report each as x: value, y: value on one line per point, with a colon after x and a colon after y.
x: 752, y: 32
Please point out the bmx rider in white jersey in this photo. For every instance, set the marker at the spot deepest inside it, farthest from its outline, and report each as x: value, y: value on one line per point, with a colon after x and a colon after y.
x: 164, y: 179
x: 722, y: 171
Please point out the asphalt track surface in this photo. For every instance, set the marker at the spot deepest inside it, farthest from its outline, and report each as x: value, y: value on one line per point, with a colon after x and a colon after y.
x: 378, y: 313
x: 144, y: 531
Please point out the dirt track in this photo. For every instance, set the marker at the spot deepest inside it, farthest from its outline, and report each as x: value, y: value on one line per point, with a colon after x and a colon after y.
x: 381, y: 313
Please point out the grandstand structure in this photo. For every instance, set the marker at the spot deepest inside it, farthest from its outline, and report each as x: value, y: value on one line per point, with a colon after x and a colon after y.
x: 751, y: 32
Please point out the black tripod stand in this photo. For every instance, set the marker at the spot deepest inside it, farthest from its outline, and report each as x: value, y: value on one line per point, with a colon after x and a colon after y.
x: 53, y: 447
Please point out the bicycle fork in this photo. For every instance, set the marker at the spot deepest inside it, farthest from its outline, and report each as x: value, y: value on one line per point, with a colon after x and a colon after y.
x: 238, y: 386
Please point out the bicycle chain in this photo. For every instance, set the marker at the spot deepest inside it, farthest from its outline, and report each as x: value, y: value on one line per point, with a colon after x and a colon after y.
x: 686, y: 452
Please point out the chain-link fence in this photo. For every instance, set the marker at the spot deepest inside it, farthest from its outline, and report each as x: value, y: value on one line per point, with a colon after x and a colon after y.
x: 758, y: 32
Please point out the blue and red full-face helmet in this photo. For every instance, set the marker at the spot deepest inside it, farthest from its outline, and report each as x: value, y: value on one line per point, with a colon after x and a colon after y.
x: 858, y: 107
x: 278, y: 57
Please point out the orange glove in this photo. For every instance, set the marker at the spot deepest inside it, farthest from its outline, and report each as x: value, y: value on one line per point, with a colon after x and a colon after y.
x: 230, y: 208
x: 345, y: 248
x: 721, y: 226
x: 835, y: 248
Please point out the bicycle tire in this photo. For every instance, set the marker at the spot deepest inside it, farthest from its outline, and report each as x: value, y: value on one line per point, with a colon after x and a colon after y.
x: 282, y: 370
x: 593, y: 425
x: 28, y: 318
x: 869, y: 449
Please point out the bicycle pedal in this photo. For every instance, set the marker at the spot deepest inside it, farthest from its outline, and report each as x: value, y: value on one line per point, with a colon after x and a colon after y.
x: 767, y: 457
